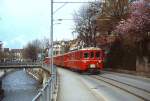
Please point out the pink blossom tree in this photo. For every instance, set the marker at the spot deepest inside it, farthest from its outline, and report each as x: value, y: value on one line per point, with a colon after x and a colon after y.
x: 138, y: 21
x: 135, y: 30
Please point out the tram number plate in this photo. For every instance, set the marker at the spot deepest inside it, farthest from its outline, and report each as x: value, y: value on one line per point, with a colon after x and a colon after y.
x: 92, y: 66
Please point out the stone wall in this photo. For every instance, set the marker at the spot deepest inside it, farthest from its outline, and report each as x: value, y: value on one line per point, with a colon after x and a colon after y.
x: 39, y: 74
x: 143, y: 65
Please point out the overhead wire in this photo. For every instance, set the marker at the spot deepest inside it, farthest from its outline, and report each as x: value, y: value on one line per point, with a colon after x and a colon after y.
x: 60, y: 8
x: 70, y: 2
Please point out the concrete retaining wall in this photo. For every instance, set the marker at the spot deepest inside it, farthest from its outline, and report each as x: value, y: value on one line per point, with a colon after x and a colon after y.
x: 39, y: 74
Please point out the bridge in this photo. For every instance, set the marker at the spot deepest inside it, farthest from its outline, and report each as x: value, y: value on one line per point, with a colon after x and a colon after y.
x: 20, y: 65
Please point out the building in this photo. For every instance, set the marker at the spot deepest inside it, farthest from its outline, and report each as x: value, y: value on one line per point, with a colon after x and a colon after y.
x: 6, y: 50
x: 17, y: 54
x: 57, y: 49
x: 76, y: 44
x: 60, y: 47
x: 1, y: 45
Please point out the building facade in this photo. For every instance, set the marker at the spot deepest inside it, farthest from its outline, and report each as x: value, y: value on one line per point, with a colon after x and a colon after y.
x: 17, y: 54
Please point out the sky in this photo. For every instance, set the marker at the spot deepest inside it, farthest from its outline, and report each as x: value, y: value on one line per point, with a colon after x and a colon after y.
x: 22, y: 21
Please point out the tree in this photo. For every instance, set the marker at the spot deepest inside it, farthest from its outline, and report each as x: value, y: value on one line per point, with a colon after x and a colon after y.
x: 85, y: 23
x: 137, y: 26
x: 112, y: 12
x: 32, y: 50
x: 135, y: 30
x: 45, y: 43
x: 44, y: 47
x: 132, y: 29
x: 138, y: 21
x: 36, y: 48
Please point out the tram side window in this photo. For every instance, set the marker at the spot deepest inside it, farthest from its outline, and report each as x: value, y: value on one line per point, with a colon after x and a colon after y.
x: 69, y: 56
x: 77, y: 56
x: 86, y: 55
x: 92, y: 55
x: 97, y: 54
x: 80, y: 55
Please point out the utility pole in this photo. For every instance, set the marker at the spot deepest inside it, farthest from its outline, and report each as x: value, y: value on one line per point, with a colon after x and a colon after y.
x: 51, y: 38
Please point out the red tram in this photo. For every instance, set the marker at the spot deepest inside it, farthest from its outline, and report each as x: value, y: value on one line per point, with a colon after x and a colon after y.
x: 83, y: 60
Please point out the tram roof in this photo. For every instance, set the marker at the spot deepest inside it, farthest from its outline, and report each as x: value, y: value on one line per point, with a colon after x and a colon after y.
x: 91, y: 48
x: 88, y: 48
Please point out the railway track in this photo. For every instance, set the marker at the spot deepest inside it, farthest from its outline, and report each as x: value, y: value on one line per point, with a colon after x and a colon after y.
x: 136, y: 91
x: 128, y: 76
x: 127, y: 84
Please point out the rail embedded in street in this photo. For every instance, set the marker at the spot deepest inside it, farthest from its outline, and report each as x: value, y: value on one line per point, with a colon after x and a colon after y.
x: 136, y: 91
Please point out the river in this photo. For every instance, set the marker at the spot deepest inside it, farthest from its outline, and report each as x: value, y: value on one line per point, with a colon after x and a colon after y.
x: 19, y: 86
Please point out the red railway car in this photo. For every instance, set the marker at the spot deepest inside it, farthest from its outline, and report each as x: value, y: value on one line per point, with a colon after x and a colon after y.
x: 83, y: 60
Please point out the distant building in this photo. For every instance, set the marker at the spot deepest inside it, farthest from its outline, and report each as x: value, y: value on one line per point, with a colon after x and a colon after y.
x: 76, y: 44
x: 57, y: 49
x: 60, y: 47
x: 6, y: 50
x: 1, y: 44
x: 17, y: 54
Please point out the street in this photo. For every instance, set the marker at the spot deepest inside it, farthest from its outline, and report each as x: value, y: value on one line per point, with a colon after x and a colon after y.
x: 103, y: 87
x: 72, y: 88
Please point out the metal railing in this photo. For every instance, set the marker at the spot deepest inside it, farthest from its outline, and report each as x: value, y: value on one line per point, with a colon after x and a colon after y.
x: 48, y: 90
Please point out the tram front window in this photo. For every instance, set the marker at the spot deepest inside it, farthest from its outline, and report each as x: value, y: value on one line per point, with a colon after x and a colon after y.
x: 92, y: 55
x: 86, y: 55
x: 97, y: 54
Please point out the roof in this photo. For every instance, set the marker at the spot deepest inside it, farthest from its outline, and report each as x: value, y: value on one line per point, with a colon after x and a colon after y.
x: 91, y: 48
x: 88, y: 48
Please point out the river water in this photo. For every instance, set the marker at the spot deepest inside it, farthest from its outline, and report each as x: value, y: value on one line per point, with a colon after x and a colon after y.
x: 19, y: 86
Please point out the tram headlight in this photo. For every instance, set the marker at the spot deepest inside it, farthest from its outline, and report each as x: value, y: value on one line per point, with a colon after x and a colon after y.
x: 92, y: 66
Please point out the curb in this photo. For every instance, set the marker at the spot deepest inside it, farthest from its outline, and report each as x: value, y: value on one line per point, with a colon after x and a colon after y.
x: 147, y: 75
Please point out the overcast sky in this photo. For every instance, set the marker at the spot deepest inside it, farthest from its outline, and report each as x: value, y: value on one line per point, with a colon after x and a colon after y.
x: 24, y: 20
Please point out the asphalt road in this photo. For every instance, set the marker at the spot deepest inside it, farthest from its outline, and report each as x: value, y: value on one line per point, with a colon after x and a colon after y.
x: 72, y: 88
